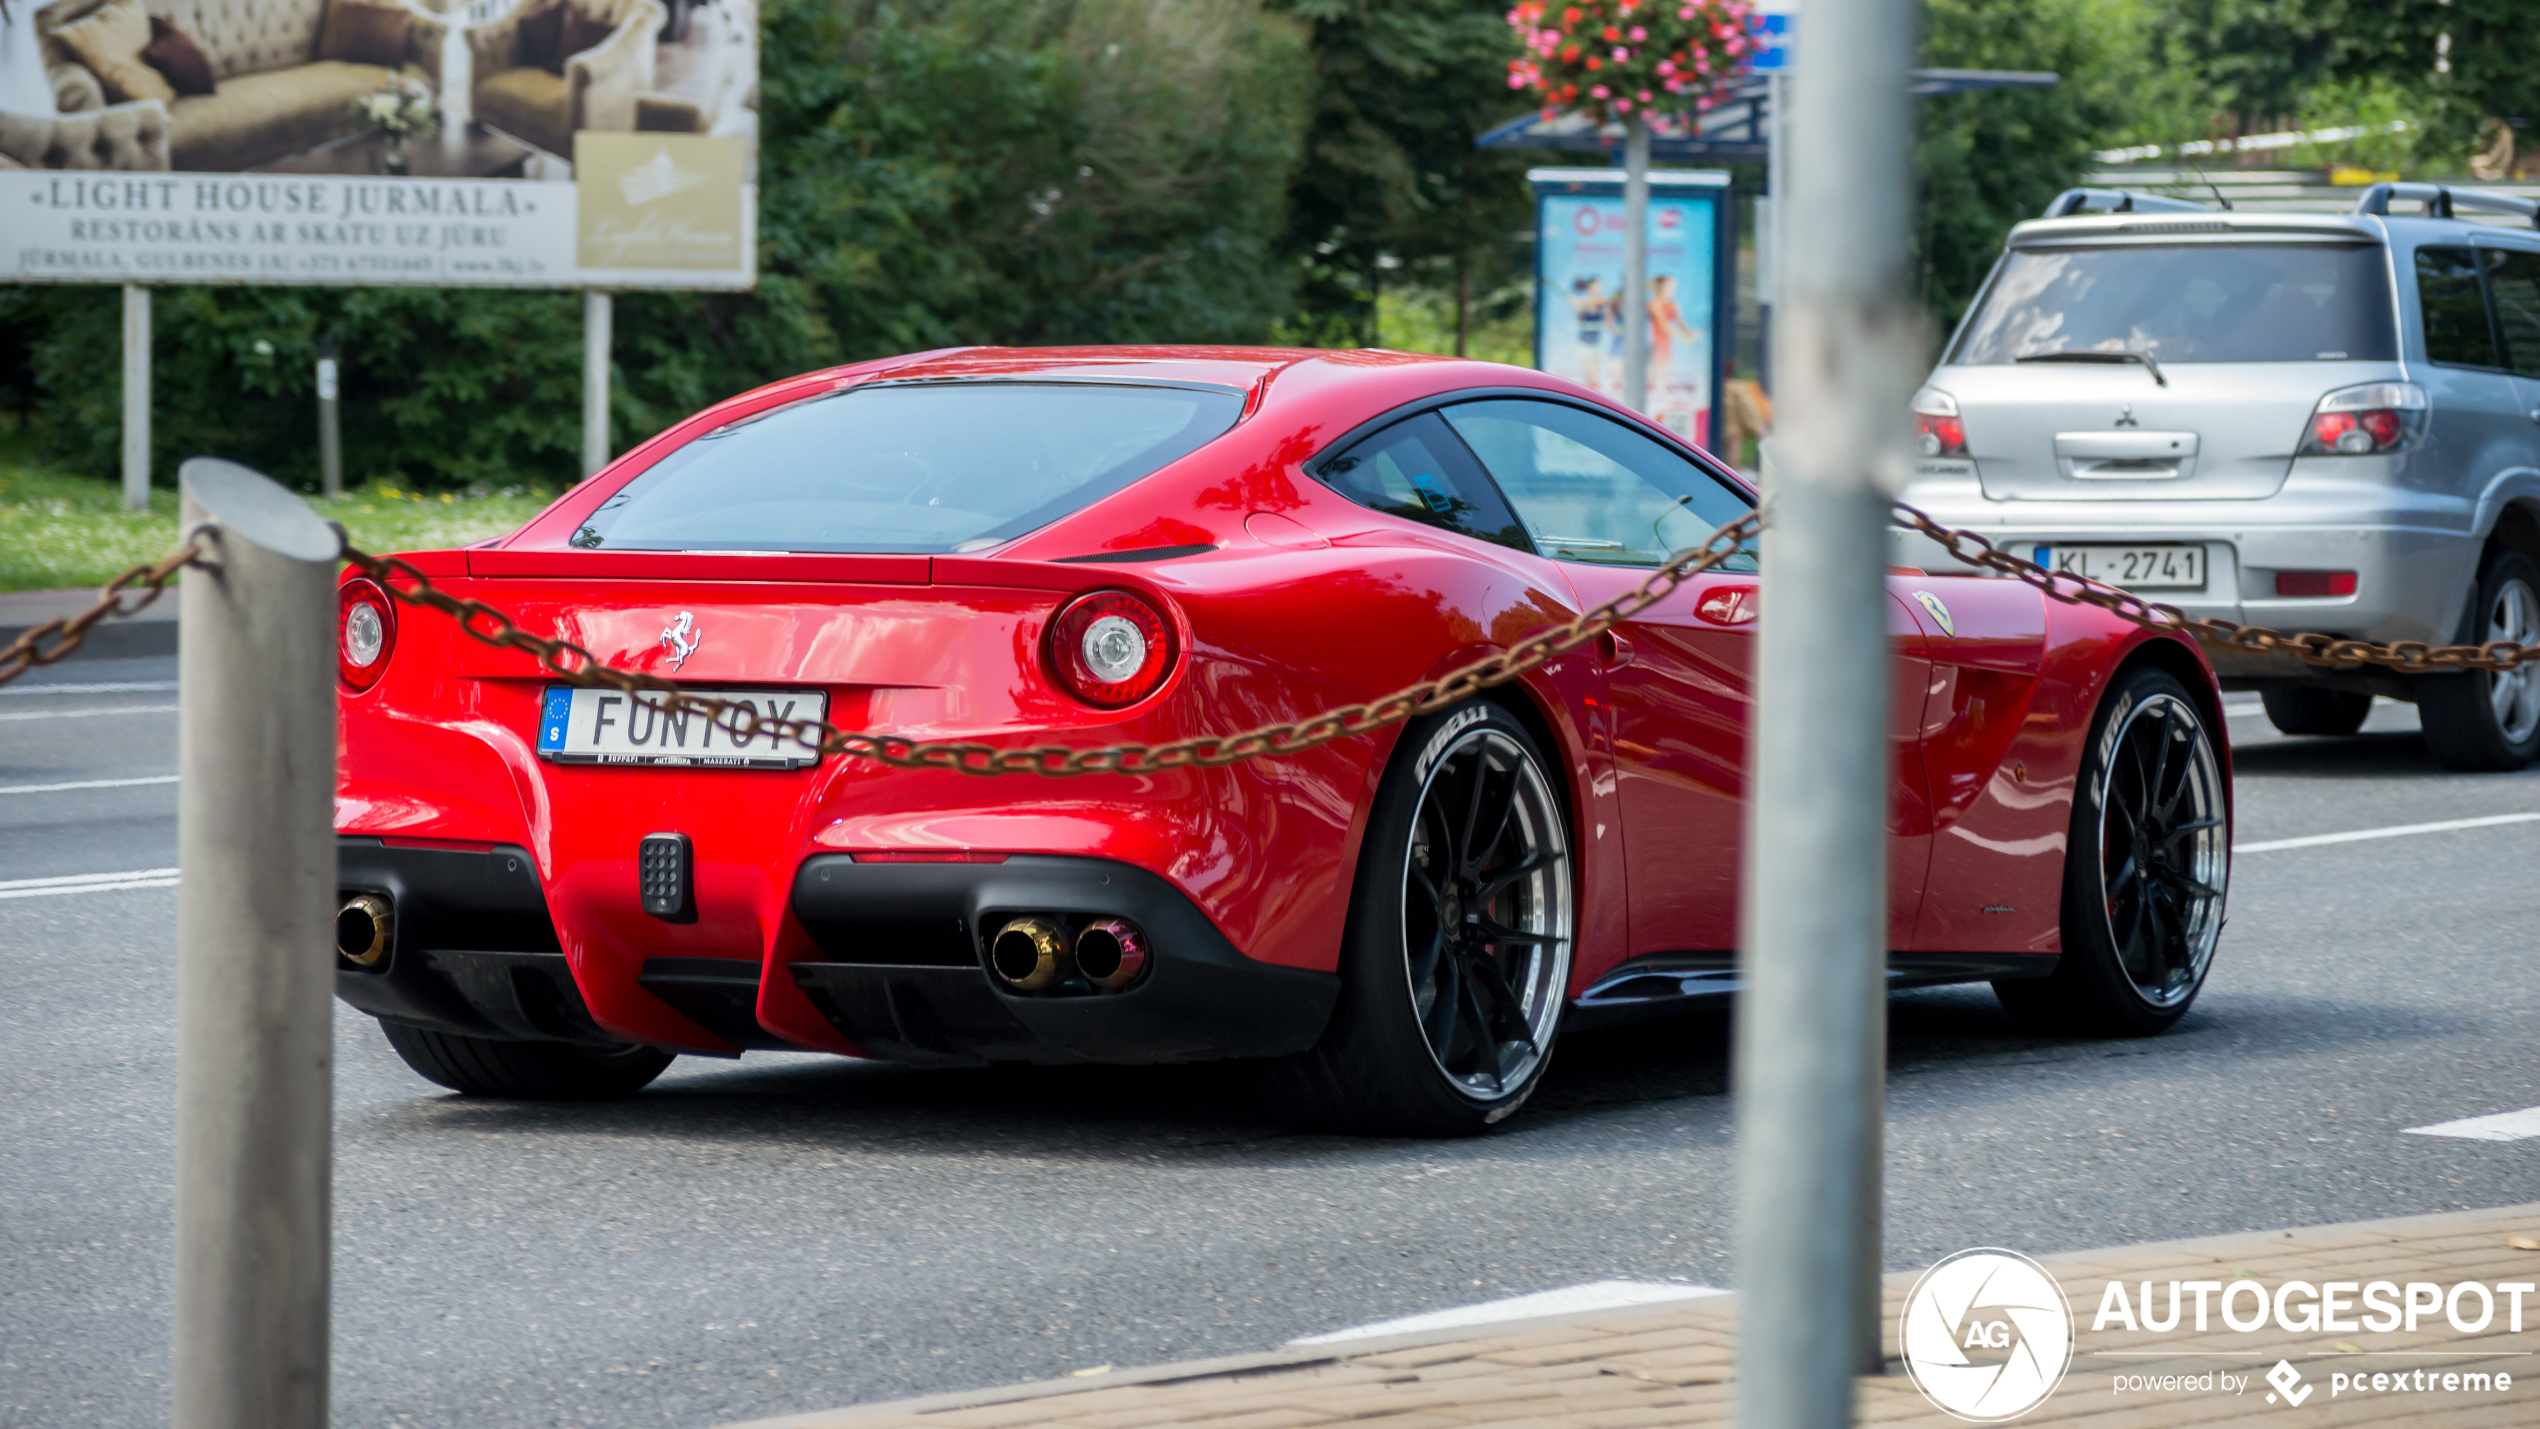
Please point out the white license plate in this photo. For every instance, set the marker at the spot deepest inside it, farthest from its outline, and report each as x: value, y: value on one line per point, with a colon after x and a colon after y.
x: 2130, y: 567
x: 584, y: 726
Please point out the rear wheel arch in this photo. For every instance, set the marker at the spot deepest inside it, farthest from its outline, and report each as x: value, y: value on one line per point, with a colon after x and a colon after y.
x: 2183, y: 664
x: 2517, y: 526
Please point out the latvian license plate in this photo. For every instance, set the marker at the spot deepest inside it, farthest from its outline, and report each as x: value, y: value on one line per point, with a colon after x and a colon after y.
x: 2130, y: 567
x: 583, y: 726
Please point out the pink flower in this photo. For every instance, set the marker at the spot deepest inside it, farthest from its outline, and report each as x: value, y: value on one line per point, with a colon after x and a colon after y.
x: 1639, y: 34
x: 1516, y: 81
x: 1644, y: 96
x: 1621, y: 55
x: 1622, y: 106
x: 1597, y: 91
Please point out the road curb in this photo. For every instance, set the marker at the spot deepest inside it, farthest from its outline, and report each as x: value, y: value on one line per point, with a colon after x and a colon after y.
x: 1237, y: 1366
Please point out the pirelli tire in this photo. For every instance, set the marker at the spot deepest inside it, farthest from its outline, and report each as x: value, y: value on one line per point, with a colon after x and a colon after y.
x: 526, y: 1071
x: 1455, y: 962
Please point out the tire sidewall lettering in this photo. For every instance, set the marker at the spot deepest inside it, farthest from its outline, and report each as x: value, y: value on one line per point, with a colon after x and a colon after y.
x: 1443, y: 742
x: 2119, y: 714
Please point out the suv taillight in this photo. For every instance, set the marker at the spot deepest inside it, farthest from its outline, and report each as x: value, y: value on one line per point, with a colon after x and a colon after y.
x: 2369, y: 420
x: 1938, y: 430
x: 365, y: 631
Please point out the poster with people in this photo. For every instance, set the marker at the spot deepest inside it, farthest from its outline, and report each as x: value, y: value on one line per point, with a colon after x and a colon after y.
x: 1579, y: 331
x: 539, y: 143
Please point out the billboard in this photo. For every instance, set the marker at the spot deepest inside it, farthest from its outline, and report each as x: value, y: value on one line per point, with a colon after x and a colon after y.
x: 1579, y: 287
x: 528, y: 143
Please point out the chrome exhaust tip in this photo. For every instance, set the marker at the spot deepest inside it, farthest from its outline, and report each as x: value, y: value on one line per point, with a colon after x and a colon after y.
x: 1111, y: 953
x: 1029, y: 953
x: 362, y: 929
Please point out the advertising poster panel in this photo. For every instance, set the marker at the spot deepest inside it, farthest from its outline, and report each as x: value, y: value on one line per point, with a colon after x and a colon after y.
x: 1579, y: 287
x: 528, y: 143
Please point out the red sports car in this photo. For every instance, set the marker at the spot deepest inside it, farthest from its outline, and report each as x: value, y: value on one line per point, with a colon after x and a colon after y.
x: 551, y: 890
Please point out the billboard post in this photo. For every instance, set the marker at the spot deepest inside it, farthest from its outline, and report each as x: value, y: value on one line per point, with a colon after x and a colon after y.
x: 596, y: 314
x: 136, y: 397
x: 1636, y: 265
x: 330, y: 426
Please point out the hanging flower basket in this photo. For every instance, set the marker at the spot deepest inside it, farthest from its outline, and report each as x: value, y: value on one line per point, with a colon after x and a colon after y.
x: 1616, y: 60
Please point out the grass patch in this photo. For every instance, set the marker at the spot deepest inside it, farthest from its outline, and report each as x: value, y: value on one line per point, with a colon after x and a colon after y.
x: 59, y: 531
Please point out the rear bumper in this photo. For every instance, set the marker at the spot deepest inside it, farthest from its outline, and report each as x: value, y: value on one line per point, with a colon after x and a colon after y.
x: 900, y: 969
x: 902, y: 974
x: 2413, y: 568
x: 472, y: 949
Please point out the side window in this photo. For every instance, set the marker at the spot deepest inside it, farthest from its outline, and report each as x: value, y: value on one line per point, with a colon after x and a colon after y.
x: 1591, y: 489
x: 1416, y: 470
x: 2513, y: 285
x: 2456, y: 327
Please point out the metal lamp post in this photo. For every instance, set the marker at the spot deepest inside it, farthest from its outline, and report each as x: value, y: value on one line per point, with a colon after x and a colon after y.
x: 1811, y: 1023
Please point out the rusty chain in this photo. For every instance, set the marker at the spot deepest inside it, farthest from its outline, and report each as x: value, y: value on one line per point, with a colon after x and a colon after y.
x: 29, y: 650
x: 743, y: 722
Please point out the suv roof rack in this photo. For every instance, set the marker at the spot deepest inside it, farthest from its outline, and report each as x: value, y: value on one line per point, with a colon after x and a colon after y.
x: 2441, y: 199
x: 2073, y: 201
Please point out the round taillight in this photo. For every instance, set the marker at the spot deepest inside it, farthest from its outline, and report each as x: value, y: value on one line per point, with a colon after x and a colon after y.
x: 365, y: 631
x: 1110, y: 648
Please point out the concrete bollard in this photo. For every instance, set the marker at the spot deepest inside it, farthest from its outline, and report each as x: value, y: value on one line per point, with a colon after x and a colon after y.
x: 255, y: 955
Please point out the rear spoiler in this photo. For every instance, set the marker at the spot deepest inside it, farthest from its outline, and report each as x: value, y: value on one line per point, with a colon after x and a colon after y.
x: 2441, y: 199
x: 2073, y: 201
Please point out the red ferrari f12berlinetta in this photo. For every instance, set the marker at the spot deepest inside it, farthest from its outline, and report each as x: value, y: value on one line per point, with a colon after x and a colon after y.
x: 551, y: 890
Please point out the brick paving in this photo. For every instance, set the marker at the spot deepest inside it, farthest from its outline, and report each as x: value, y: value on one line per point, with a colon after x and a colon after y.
x: 1678, y: 1365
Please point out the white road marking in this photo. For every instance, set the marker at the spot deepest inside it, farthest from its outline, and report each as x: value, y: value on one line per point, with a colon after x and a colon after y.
x: 2502, y: 1126
x: 1596, y: 1295
x: 88, y: 883
x: 73, y: 714
x: 86, y: 784
x: 2394, y: 831
x: 112, y: 687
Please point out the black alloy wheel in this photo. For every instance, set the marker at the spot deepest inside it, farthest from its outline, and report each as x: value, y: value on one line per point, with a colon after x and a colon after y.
x: 2482, y: 721
x: 1456, y: 961
x: 2145, y: 869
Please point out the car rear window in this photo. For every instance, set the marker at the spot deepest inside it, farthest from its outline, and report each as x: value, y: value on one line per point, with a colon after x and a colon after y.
x: 920, y: 468
x: 2238, y: 302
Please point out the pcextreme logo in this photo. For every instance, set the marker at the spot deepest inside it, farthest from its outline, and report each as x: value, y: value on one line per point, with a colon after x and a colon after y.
x: 1986, y: 1335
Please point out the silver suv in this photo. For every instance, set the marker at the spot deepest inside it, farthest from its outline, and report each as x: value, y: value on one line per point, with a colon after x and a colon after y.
x: 2311, y: 421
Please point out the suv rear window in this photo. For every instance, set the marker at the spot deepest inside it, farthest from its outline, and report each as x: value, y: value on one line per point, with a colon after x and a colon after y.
x: 2238, y: 302
x: 922, y: 468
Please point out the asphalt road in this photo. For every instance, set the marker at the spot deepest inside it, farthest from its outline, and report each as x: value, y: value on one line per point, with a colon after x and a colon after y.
x: 790, y: 1232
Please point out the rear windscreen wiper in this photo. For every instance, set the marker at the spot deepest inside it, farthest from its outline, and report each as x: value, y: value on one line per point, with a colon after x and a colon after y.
x: 2143, y: 357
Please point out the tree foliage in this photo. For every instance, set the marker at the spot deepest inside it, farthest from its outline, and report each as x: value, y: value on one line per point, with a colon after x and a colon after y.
x: 1401, y: 90
x: 1987, y: 159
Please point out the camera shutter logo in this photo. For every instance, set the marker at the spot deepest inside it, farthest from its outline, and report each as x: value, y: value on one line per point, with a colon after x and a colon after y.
x: 1986, y: 1335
